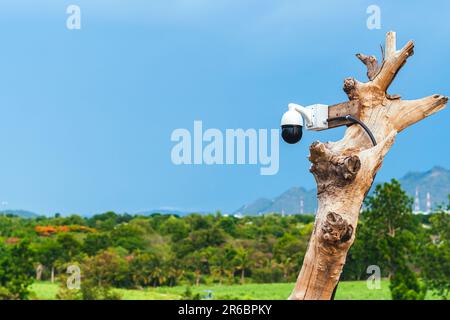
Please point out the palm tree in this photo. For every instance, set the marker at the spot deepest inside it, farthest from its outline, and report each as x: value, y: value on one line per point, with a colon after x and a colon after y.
x: 242, y: 261
x: 157, y: 275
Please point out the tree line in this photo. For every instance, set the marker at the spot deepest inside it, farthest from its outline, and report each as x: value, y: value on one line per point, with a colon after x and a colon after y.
x: 132, y: 251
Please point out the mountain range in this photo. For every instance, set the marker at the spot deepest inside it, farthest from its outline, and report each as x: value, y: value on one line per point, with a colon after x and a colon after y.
x: 20, y: 213
x: 178, y: 212
x: 436, y: 182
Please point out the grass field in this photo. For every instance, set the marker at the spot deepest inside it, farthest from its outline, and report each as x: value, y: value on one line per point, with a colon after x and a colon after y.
x: 349, y: 290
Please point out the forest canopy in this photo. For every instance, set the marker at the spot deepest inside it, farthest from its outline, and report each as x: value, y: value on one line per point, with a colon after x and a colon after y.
x: 132, y: 251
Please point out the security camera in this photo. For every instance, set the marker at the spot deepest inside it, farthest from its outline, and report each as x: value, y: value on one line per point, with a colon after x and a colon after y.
x: 291, y: 125
x: 312, y: 117
x: 319, y: 117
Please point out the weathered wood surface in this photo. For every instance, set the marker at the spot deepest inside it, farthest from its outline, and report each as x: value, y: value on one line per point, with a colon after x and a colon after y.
x: 343, y: 109
x: 344, y: 170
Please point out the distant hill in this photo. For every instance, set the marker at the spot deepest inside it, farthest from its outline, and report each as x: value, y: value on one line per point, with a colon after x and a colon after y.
x: 20, y: 213
x: 435, y: 181
x: 288, y: 202
x: 168, y: 211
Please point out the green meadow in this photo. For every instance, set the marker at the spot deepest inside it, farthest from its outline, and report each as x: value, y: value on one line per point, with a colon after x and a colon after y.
x: 347, y: 290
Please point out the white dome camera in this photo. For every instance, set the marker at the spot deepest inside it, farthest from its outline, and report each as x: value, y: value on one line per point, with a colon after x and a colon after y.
x: 298, y: 116
x: 291, y: 125
x: 318, y: 117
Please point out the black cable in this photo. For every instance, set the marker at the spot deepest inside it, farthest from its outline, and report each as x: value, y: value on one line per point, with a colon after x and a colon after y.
x: 356, y: 120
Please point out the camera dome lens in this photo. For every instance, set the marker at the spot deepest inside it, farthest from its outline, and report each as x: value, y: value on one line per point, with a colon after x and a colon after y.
x: 291, y: 133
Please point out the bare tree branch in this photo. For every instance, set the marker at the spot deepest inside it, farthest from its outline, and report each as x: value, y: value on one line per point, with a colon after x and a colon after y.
x: 344, y: 170
x: 393, y: 62
x: 404, y: 113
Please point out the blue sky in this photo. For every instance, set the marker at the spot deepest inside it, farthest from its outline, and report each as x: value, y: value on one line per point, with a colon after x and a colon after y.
x: 87, y: 114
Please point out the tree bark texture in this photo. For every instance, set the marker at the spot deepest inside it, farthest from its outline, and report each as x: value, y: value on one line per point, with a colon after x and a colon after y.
x: 344, y: 170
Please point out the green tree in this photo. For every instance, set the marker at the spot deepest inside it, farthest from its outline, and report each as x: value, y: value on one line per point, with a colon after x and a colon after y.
x: 128, y: 236
x: 174, y: 271
x: 48, y: 252
x: 108, y: 268
x: 222, y: 262
x: 16, y: 271
x: 228, y: 224
x: 389, y: 221
x: 142, y: 266
x: 95, y: 242
x: 242, y: 261
x: 197, y: 262
x: 71, y: 247
x: 175, y: 227
x: 435, y: 255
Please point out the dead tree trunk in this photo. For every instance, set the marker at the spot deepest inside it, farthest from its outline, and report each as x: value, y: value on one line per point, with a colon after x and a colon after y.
x: 344, y: 170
